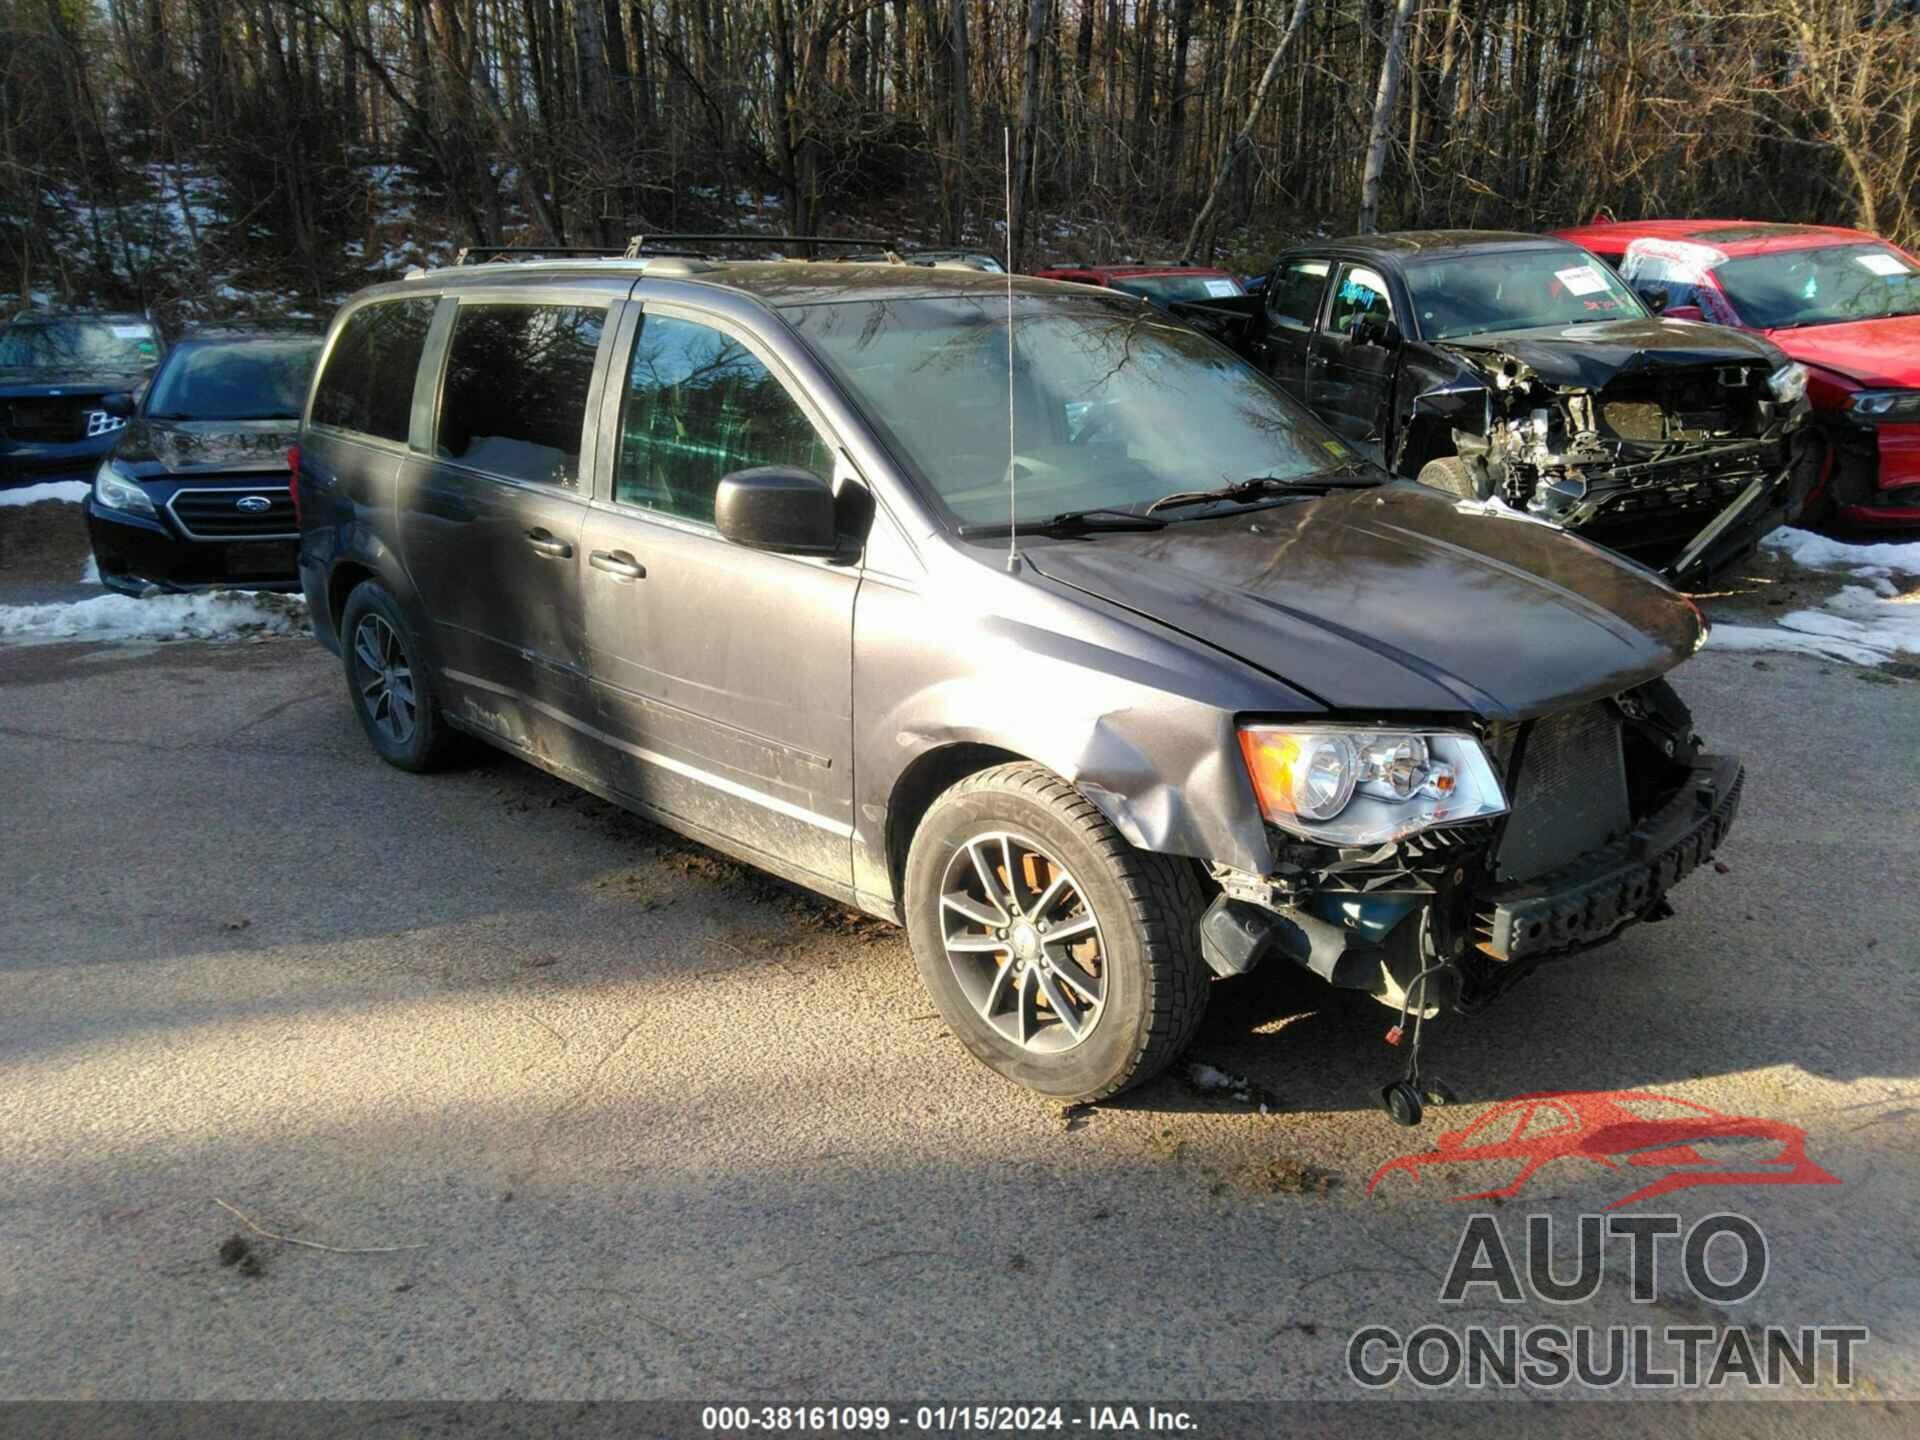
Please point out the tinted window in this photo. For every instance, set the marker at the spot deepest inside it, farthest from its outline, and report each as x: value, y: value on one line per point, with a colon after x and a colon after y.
x: 1833, y: 284
x: 1466, y: 294
x: 700, y: 406
x: 1113, y: 403
x: 367, y: 386
x: 79, y: 345
x: 515, y: 398
x: 1360, y: 292
x: 1293, y: 294
x: 234, y: 380
x: 1167, y: 288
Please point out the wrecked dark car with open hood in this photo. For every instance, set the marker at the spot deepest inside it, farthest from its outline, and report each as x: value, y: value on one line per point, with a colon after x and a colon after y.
x: 1018, y: 613
x: 1522, y: 369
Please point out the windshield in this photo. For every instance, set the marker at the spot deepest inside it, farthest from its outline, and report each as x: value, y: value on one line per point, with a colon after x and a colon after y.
x: 1514, y: 290
x: 1167, y: 288
x: 79, y: 345
x: 1825, y: 286
x: 1113, y: 404
x: 234, y: 380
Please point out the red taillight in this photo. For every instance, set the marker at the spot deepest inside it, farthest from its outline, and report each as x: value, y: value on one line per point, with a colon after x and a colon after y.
x: 293, y: 481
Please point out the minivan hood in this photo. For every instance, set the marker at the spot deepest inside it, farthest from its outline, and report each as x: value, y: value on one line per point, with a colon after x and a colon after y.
x: 176, y: 447
x: 1396, y: 600
x: 1590, y: 356
x: 1880, y: 354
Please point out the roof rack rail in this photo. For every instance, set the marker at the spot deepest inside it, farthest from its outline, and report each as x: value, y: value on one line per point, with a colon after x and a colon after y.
x: 641, y: 245
x: 475, y: 254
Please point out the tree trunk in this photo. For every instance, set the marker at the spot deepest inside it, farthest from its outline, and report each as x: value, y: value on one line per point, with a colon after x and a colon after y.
x: 1381, y: 134
x: 1244, y: 138
x: 1029, y: 122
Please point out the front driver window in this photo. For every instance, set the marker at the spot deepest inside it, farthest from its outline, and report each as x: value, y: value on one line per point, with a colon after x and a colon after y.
x: 699, y: 406
x: 1359, y: 292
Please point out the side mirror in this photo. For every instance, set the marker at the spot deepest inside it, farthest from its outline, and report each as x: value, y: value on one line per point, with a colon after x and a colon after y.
x: 1656, y: 299
x: 1684, y: 312
x: 1376, y: 330
x: 777, y: 508
x: 118, y: 402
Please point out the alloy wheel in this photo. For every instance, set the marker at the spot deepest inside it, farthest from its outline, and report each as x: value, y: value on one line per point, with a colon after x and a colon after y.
x: 385, y: 678
x: 1023, y: 942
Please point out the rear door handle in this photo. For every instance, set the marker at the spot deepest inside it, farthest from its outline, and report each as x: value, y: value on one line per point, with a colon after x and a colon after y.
x: 543, y: 541
x: 618, y: 562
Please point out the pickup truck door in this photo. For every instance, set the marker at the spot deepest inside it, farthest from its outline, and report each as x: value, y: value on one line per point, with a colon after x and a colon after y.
x: 1292, y: 301
x: 722, y: 676
x: 1347, y: 382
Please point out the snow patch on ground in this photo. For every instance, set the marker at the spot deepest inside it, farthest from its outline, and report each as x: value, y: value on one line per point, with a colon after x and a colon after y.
x: 70, y: 490
x: 90, y: 572
x: 215, y: 615
x: 1873, y: 623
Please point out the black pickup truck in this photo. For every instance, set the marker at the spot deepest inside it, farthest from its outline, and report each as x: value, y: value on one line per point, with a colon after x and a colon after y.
x: 1519, y: 368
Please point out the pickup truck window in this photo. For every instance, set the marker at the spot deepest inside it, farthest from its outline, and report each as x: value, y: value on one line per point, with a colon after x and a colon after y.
x: 1360, y: 291
x: 1293, y: 295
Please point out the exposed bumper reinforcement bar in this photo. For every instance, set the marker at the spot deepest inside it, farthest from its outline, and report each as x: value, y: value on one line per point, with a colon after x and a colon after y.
x: 1588, y: 899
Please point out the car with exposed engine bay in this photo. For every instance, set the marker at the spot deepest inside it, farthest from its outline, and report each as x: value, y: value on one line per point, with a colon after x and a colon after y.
x: 1517, y: 367
x: 68, y: 381
x: 1843, y: 303
x: 1020, y: 614
x: 196, y: 493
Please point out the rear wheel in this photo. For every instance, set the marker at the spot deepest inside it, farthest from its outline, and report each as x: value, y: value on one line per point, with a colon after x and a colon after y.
x: 392, y: 692
x: 1456, y: 477
x: 1062, y: 957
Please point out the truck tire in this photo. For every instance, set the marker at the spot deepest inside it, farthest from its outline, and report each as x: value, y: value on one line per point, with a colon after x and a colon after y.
x: 1456, y: 477
x: 1062, y: 957
x: 389, y: 683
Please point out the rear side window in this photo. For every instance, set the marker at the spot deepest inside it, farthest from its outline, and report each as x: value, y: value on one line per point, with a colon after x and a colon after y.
x: 1293, y: 294
x: 515, y: 398
x: 700, y: 406
x: 367, y: 386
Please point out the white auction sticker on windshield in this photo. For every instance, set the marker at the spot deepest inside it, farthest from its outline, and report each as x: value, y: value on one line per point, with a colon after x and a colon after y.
x: 132, y: 332
x: 1581, y: 280
x: 1217, y: 288
x: 1881, y: 263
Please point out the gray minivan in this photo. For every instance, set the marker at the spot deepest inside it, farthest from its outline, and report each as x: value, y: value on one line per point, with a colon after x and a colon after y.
x: 1013, y: 611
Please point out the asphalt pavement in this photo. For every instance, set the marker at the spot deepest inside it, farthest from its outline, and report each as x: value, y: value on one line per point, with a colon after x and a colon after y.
x: 551, y: 1104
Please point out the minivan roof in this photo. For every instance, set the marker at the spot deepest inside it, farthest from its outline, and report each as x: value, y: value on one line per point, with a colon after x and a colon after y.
x: 773, y: 282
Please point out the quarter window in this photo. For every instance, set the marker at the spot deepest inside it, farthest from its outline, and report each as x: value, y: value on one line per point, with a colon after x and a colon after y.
x: 515, y: 399
x: 1293, y: 294
x: 700, y: 406
x: 367, y: 386
x: 1359, y: 292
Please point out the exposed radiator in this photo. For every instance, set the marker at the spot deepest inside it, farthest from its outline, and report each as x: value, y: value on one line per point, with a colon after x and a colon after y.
x: 1570, y: 796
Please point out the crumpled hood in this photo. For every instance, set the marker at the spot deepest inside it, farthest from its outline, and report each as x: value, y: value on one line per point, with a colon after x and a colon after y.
x: 1396, y: 600
x: 175, y: 447
x: 1880, y: 354
x: 1589, y: 356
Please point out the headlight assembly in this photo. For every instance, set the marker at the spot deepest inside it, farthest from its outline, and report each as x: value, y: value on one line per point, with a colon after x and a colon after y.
x: 1890, y: 405
x: 114, y: 491
x: 1788, y: 383
x: 1367, y: 787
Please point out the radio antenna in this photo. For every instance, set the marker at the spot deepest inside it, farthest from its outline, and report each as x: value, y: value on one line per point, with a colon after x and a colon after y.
x: 1013, y: 464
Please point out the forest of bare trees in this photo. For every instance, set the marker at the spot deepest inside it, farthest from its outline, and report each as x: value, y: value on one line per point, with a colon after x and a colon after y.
x: 154, y: 149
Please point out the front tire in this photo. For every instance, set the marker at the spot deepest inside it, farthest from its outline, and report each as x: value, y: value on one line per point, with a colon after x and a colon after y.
x: 1455, y: 476
x: 1062, y: 957
x: 392, y: 692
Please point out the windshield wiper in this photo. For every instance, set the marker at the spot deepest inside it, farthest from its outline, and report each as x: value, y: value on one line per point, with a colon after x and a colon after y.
x: 1260, y: 485
x: 1068, y: 522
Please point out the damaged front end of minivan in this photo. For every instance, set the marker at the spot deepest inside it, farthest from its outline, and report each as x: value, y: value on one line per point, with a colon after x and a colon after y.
x: 1555, y: 835
x: 1684, y: 466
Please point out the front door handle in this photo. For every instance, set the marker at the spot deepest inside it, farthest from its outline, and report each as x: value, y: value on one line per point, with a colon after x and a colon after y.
x: 618, y: 562
x: 543, y: 541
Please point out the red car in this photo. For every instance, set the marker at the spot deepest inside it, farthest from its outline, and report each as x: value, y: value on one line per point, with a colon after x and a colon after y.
x: 1843, y: 303
x: 1614, y: 1128
x: 1162, y: 284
